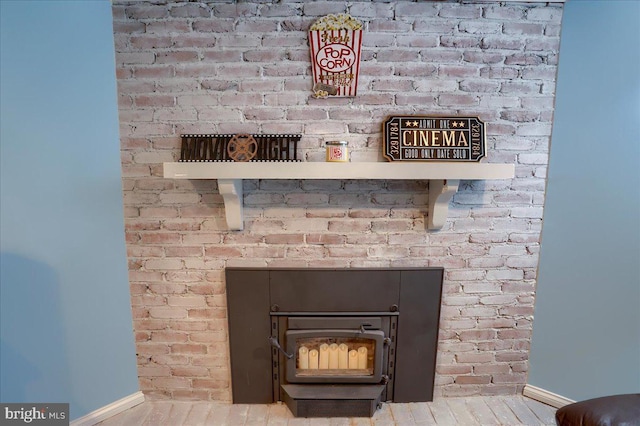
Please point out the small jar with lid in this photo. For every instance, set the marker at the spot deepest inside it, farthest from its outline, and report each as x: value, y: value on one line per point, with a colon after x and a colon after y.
x: 337, y: 151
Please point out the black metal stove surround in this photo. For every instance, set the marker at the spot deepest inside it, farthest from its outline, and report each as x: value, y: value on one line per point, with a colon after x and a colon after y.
x: 333, y: 342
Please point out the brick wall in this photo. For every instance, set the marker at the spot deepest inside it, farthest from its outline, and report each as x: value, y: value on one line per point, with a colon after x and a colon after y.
x: 225, y: 67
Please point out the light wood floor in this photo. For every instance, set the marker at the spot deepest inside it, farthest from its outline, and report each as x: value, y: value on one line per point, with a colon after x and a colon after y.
x: 484, y: 411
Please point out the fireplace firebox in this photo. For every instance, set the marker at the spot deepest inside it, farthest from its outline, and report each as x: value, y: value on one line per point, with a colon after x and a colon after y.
x: 333, y: 342
x: 334, y: 350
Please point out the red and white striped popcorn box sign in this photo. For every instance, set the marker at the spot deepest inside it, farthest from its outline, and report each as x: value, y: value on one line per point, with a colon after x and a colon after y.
x: 335, y: 60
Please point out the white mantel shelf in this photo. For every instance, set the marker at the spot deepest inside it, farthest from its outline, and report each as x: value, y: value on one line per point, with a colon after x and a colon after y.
x: 443, y: 178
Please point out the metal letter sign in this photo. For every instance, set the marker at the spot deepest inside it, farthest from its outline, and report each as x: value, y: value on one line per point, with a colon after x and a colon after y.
x: 428, y: 138
x: 239, y: 147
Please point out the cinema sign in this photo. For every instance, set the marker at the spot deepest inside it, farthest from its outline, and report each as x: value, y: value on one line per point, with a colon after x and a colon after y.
x: 433, y: 138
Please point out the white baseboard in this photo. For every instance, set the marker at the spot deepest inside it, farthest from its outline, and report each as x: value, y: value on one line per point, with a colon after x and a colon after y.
x: 546, y: 397
x: 107, y: 411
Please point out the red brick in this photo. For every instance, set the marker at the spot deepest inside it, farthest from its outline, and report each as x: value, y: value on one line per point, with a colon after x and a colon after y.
x: 475, y: 357
x: 191, y: 10
x: 171, y: 383
x: 209, y: 384
x: 154, y: 100
x: 509, y: 378
x: 454, y: 369
x: 154, y: 371
x: 188, y: 348
x: 514, y: 334
x: 146, y: 12
x: 491, y: 369
x: 473, y: 380
x: 191, y: 395
x: 179, y: 56
x: 189, y: 371
x: 130, y: 27
x: 183, y: 251
x: 168, y: 336
x: 152, y: 348
x: 207, y: 313
x: 167, y: 312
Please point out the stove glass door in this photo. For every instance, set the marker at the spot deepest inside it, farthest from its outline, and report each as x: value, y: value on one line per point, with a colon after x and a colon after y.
x: 339, y: 356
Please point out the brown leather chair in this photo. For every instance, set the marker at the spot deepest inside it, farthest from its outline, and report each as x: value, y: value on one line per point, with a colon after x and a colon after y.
x: 616, y: 410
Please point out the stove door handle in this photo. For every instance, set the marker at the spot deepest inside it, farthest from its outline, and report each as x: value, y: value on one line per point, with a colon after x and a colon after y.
x: 362, y: 327
x: 276, y: 344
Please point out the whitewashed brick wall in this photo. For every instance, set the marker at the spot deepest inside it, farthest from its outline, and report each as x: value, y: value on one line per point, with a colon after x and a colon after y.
x: 227, y: 67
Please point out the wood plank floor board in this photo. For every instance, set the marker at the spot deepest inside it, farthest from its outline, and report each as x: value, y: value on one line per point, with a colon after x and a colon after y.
x: 523, y: 413
x: 238, y: 414
x: 442, y: 413
x: 198, y: 414
x: 422, y: 414
x: 401, y: 413
x: 298, y: 422
x: 481, y: 411
x: 383, y: 417
x: 359, y: 421
x: 134, y: 415
x: 461, y: 412
x: 541, y: 410
x: 179, y: 412
x: 467, y: 411
x: 322, y: 422
x: 258, y: 414
x: 501, y: 410
x: 159, y: 415
x: 337, y: 421
x: 279, y: 415
x: 218, y: 414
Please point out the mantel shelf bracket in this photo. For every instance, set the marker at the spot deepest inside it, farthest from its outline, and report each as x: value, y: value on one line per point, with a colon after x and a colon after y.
x: 444, y: 179
x: 441, y: 192
x: 231, y: 191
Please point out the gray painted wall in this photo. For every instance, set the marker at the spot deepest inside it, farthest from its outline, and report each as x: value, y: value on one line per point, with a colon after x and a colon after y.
x: 586, y: 336
x: 65, y: 314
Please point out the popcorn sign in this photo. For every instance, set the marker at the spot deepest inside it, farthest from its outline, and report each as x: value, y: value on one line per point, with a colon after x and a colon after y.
x: 335, y: 42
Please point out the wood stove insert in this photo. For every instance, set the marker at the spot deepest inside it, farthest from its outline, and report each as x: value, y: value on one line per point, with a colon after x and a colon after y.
x: 333, y: 342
